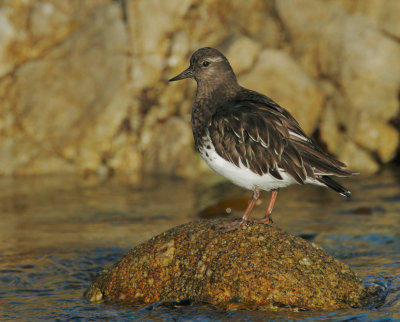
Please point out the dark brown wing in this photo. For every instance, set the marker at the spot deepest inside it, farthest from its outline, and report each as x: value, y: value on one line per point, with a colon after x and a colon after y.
x: 255, y: 131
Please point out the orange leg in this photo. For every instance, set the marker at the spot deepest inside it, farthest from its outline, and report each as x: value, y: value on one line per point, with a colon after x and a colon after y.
x: 268, y: 218
x: 236, y: 224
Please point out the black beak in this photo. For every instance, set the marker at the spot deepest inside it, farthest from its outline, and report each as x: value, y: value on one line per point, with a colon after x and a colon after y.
x: 188, y: 73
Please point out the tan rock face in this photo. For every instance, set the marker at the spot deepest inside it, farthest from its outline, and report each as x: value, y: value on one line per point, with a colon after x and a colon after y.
x: 378, y: 136
x: 150, y: 38
x: 83, y: 84
x: 58, y: 108
x: 30, y: 28
x: 277, y: 75
x: 242, y: 54
x: 255, y: 266
x: 361, y: 61
x: 384, y: 14
x: 359, y: 157
x: 160, y: 157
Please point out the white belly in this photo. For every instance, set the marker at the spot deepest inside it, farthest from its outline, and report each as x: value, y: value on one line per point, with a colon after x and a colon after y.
x: 242, y: 176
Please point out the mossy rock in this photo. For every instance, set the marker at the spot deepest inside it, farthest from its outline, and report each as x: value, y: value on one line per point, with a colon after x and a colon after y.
x: 254, y: 266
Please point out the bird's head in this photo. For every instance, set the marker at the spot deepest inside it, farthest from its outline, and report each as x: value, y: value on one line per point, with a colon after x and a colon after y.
x: 208, y: 67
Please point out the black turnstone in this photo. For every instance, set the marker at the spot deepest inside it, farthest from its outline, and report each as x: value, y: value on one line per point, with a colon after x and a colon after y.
x: 251, y: 140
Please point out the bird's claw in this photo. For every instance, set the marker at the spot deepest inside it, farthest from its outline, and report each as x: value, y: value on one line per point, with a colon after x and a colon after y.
x: 264, y: 220
x: 233, y: 225
x: 236, y: 223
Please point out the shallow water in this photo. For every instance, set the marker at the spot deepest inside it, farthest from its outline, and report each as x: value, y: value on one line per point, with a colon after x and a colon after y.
x: 57, y: 233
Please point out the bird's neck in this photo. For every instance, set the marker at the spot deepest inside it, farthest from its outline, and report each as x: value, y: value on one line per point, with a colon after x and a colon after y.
x: 211, y: 95
x: 216, y: 92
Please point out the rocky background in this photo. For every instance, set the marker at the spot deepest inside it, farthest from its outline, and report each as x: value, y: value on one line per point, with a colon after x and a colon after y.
x: 83, y: 84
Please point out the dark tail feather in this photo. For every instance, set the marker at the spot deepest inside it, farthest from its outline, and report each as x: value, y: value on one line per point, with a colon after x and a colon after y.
x: 334, y: 185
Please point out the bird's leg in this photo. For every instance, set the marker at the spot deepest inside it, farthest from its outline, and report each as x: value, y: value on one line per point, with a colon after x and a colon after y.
x: 268, y: 218
x: 236, y: 224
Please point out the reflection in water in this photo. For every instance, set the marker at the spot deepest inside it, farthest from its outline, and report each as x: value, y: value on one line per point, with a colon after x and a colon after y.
x: 57, y: 233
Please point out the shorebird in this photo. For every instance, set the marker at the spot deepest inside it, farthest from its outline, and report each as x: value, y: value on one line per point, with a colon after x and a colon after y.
x: 251, y: 140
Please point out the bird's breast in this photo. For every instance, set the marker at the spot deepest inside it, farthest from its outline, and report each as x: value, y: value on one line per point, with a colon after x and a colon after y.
x: 200, y: 119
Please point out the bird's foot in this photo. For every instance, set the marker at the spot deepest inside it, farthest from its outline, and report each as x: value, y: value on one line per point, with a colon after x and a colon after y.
x: 265, y: 220
x: 233, y: 225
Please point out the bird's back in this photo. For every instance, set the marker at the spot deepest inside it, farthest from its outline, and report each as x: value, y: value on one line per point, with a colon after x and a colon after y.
x: 252, y: 130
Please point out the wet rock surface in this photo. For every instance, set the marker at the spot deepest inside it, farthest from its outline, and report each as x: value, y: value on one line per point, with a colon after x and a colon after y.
x: 256, y: 266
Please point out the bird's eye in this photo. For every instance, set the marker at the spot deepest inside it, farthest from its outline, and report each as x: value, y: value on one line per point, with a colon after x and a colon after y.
x: 206, y: 63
